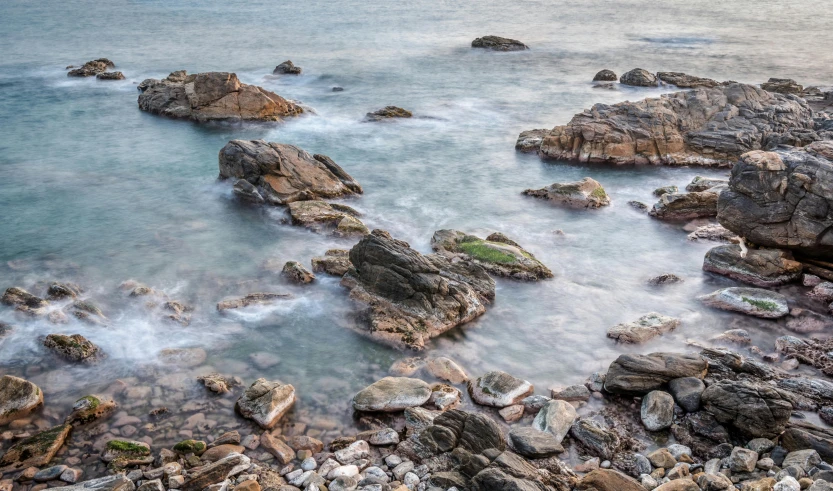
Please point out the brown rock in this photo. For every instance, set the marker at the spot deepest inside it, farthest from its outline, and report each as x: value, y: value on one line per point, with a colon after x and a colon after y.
x: 609, y: 480
x: 277, y: 447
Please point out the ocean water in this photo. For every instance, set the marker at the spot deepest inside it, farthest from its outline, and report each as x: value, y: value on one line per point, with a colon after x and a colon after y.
x: 95, y: 192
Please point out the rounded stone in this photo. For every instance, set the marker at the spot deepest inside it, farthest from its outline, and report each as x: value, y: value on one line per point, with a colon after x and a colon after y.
x: 657, y: 410
x: 392, y: 394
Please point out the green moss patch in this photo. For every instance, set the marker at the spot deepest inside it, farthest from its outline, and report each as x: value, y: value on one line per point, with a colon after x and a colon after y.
x: 761, y: 304
x: 128, y: 447
x: 189, y: 446
x: 599, y: 192
x: 481, y: 251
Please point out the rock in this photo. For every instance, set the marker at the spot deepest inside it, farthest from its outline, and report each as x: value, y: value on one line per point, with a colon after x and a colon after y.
x: 183, y: 357
x: 87, y: 312
x: 214, y: 454
x: 334, y: 262
x: 700, y: 183
x: 715, y: 233
x: 71, y: 475
x: 657, y: 411
x: 219, y: 384
x: 509, y: 472
x: 510, y: 414
x: 742, y: 460
x: 760, y: 267
x: 787, y: 484
x: 296, y: 273
x: 338, y: 89
x: 643, y: 329
x: 822, y: 291
x: 409, y: 298
x: 355, y: 451
x: 750, y: 301
x: 497, y: 43
x: 282, y: 174
x: 802, y: 435
x: 251, y: 299
x: 116, y: 482
x: 213, y: 96
x: 685, y: 206
x: 110, y: 76
x: 555, y: 417
x: 499, y: 389
x: 75, y: 348
x: 498, y: 254
x: 756, y: 409
x: 705, y: 126
x: 287, y: 68
x: 91, y: 408
x: 320, y: 216
x: 609, y: 480
x: 277, y: 448
x: 806, y: 459
x: 24, y: 301
x: 665, y: 279
x: 18, y: 398
x: 50, y: 473
x: 586, y: 193
x: 736, y: 336
x: 392, y: 394
x: 446, y: 369
x: 665, y: 190
x: 678, y: 485
x: 638, y: 205
x: 196, y: 447
x: 266, y: 402
x: 572, y: 393
x: 60, y: 291
x: 684, y: 81
x: 686, y: 392
x: 92, y: 68
x: 605, y: 76
x: 638, y: 78
x: 124, y: 453
x: 597, y: 438
x: 215, y: 472
x: 662, y: 458
x: 387, y: 113
x: 780, y: 199
x: 36, y: 450
x: 530, y: 141
x: 640, y: 374
x: 782, y: 86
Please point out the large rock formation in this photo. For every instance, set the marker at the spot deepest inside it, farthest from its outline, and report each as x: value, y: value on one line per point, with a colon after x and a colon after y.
x: 498, y: 254
x: 756, y: 409
x: 640, y: 374
x: 783, y: 199
x: 409, y: 298
x: 279, y: 174
x: 212, y: 96
x: 706, y: 126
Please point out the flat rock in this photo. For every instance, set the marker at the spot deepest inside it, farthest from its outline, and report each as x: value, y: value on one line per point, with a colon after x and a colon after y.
x: 497, y: 254
x: 392, y: 394
x: 499, y: 389
x: 685, y: 206
x: 216, y: 472
x: 760, y: 267
x: 685, y: 81
x: 36, y: 450
x: 24, y: 301
x: 334, y: 262
x: 751, y: 301
x: 533, y: 443
x: 639, y: 374
x: 320, y: 216
x: 609, y: 480
x: 266, y: 402
x: 445, y: 368
x: 605, y: 76
x: 586, y: 193
x: 497, y: 43
x: 803, y: 435
x: 259, y: 298
x: 18, y: 398
x: 75, y: 348
x: 782, y: 86
x: 596, y: 437
x: 756, y: 409
x: 643, y: 329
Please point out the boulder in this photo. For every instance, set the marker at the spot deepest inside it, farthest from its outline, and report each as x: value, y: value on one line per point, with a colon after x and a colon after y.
x: 822, y: 291
x: 806, y: 321
x: 508, y: 472
x: 534, y: 444
x: 573, y: 393
x: 657, y: 410
x: 388, y: 113
x: 498, y: 254
x: 605, y: 76
x: 219, y: 384
x: 609, y: 480
x: 320, y: 216
x: 24, y: 301
x: 18, y: 398
x: 705, y: 126
x: 751, y: 301
x: 782, y: 86
x: 213, y: 96
x: 110, y: 76
x: 392, y: 394
x: 281, y: 174
x: 499, y: 389
x: 287, y: 68
x: 297, y: 273
x: 497, y: 43
x: 530, y: 141
x: 586, y: 193
x: 760, y: 267
x: 665, y: 190
x: 556, y: 417
x: 755, y: 409
x: 123, y: 453
x: 407, y: 297
x: 782, y: 199
x: 715, y: 233
x: 445, y: 368
x: 685, y: 206
x: 91, y: 408
x: 266, y: 402
x: 638, y: 78
x: 700, y: 183
x: 685, y: 81
x: 803, y: 435
x: 639, y: 374
x: 92, y: 68
x: 260, y: 298
x: 334, y: 262
x: 75, y: 348
x: 643, y: 329
x: 596, y: 437
x: 687, y: 392
x: 36, y: 450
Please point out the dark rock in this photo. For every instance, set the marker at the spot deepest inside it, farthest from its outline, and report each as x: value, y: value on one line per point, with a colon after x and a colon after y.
x: 92, y: 68
x: 605, y: 76
x: 684, y: 81
x: 388, y: 112
x: 481, y: 433
x: 335, y: 262
x: 24, y: 301
x: 110, y: 76
x: 782, y: 86
x: 497, y: 43
x: 756, y: 409
x: 751, y: 301
x: 640, y: 374
x: 534, y: 444
x: 75, y: 348
x: 638, y: 78
x: 509, y: 472
x: 801, y: 435
x: 665, y: 279
x: 287, y: 68
x: 687, y: 392
x: 760, y: 267
x: 36, y: 450
x: 685, y: 206
x: 597, y: 438
x: 320, y: 216
x: 59, y: 291
x: 215, y: 472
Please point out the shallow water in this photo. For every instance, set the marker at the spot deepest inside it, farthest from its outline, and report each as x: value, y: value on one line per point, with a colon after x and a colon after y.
x: 96, y: 192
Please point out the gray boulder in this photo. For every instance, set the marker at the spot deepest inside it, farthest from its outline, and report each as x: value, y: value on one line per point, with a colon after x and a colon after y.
x: 556, y: 417
x: 497, y: 254
x: 534, y: 444
x: 751, y: 301
x: 497, y: 43
x: 638, y: 78
x: 657, y: 410
x: 686, y: 392
x: 392, y: 394
x: 266, y: 402
x: 643, y: 329
x: 755, y: 409
x: 760, y: 267
x: 499, y: 389
x: 639, y: 374
x: 685, y: 206
x: 596, y: 437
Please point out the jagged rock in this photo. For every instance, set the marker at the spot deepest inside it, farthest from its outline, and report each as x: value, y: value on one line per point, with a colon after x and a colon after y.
x: 706, y: 126
x: 806, y: 321
x: 87, y: 312
x: 638, y: 205
x: 596, y: 437
x: 665, y: 190
x: 685, y: 206
x: 497, y: 254
x: 287, y: 68
x: 251, y: 299
x: 335, y: 262
x: 638, y: 78
x: 207, y: 475
x: 388, y: 112
x: 530, y: 141
x: 281, y: 174
x: 716, y: 233
x: 643, y: 329
x: 499, y: 389
x: 586, y: 193
x: 509, y: 472
x: 700, y: 183
x: 219, y: 384
x: 36, y: 450
x: 296, y: 273
x: 392, y: 394
x: 91, y: 408
x: 760, y: 267
x: 266, y: 402
x: 640, y: 374
x: 177, y: 312
x: 684, y: 81
x: 110, y: 76
x: 665, y: 279
x: 18, y: 398
x: 782, y: 86
x: 409, y: 298
x: 445, y: 397
x: 751, y: 301
x: 24, y: 301
x: 782, y: 199
x: 605, y: 76
x: 497, y: 43
x: 321, y: 216
x: 213, y: 96
x: 535, y: 444
x: 75, y: 348
x: 657, y: 411
x: 116, y: 482
x: 572, y: 393
x: 92, y: 68
x: 756, y: 409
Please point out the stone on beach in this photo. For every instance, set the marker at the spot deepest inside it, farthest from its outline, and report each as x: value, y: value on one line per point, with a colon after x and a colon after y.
x: 756, y: 409
x: 392, y: 394
x: 657, y: 410
x: 751, y: 301
x: 533, y: 443
x: 640, y: 374
x: 499, y: 389
x: 643, y: 329
x: 18, y: 398
x: 266, y: 402
x: 586, y: 193
x: 445, y: 368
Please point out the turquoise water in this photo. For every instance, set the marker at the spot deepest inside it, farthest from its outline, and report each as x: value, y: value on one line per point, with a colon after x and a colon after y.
x: 96, y: 192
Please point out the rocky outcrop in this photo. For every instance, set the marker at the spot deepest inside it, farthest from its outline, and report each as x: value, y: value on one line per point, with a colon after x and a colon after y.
x: 392, y: 394
x: 700, y: 183
x: 18, y: 398
x: 213, y: 96
x: 279, y: 174
x: 497, y: 43
x: 75, y: 348
x: 760, y: 267
x: 497, y: 254
x: 408, y: 298
x: 586, y: 193
x: 287, y: 68
x: 335, y: 262
x: 714, y: 233
x: 685, y: 81
x: 530, y: 141
x: 92, y: 68
x: 294, y: 272
x: 596, y: 437
x: 638, y: 78
x: 751, y: 301
x: 685, y: 206
x: 320, y: 216
x: 643, y: 329
x: 756, y: 409
x: 266, y: 402
x: 640, y: 374
x: 91, y: 408
x: 388, y: 112
x: 707, y: 126
x: 783, y: 199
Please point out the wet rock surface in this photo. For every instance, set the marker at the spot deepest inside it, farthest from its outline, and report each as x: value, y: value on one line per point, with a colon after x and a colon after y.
x: 497, y: 254
x: 18, y: 398
x: 92, y: 68
x: 587, y: 193
x: 320, y: 216
x: 388, y: 113
x: 759, y: 267
x: 751, y: 301
x: 643, y: 329
x: 497, y: 43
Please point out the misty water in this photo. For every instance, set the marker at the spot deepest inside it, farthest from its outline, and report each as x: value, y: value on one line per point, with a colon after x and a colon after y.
x: 94, y: 191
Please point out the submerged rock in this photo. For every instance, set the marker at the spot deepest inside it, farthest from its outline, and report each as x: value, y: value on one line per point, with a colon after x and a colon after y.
x: 639, y: 78
x: 60, y: 291
x: 92, y: 68
x: 18, y: 398
x: 605, y: 76
x: 497, y: 43
x: 643, y: 329
x: 760, y: 267
x: 251, y: 299
x: 587, y: 193
x: 640, y: 374
x: 280, y: 174
x: 219, y: 384
x: 266, y: 402
x: 392, y: 394
x: 408, y: 298
x: 216, y: 472
x: 75, y: 348
x: 24, y: 301
x: 321, y: 216
x: 750, y: 301
x: 388, y: 112
x: 123, y: 453
x: 36, y: 450
x: 665, y: 279
x: 685, y: 206
x: 213, y: 96
x: 297, y: 273
x: 498, y: 254
x: 334, y: 262
x: 287, y: 68
x: 110, y: 76
x: 685, y: 81
x: 446, y: 369
x: 499, y: 389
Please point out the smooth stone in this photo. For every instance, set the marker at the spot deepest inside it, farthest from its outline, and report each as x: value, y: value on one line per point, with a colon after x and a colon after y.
x: 392, y: 394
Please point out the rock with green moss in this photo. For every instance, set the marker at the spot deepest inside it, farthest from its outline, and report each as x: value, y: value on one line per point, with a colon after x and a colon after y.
x: 751, y: 301
x: 388, y: 112
x: 323, y: 217
x: 125, y: 453
x: 36, y: 450
x: 91, y: 408
x: 586, y: 193
x: 24, y: 301
x: 18, y: 398
x: 497, y: 254
x: 75, y: 348
x: 665, y: 190
x: 186, y: 447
